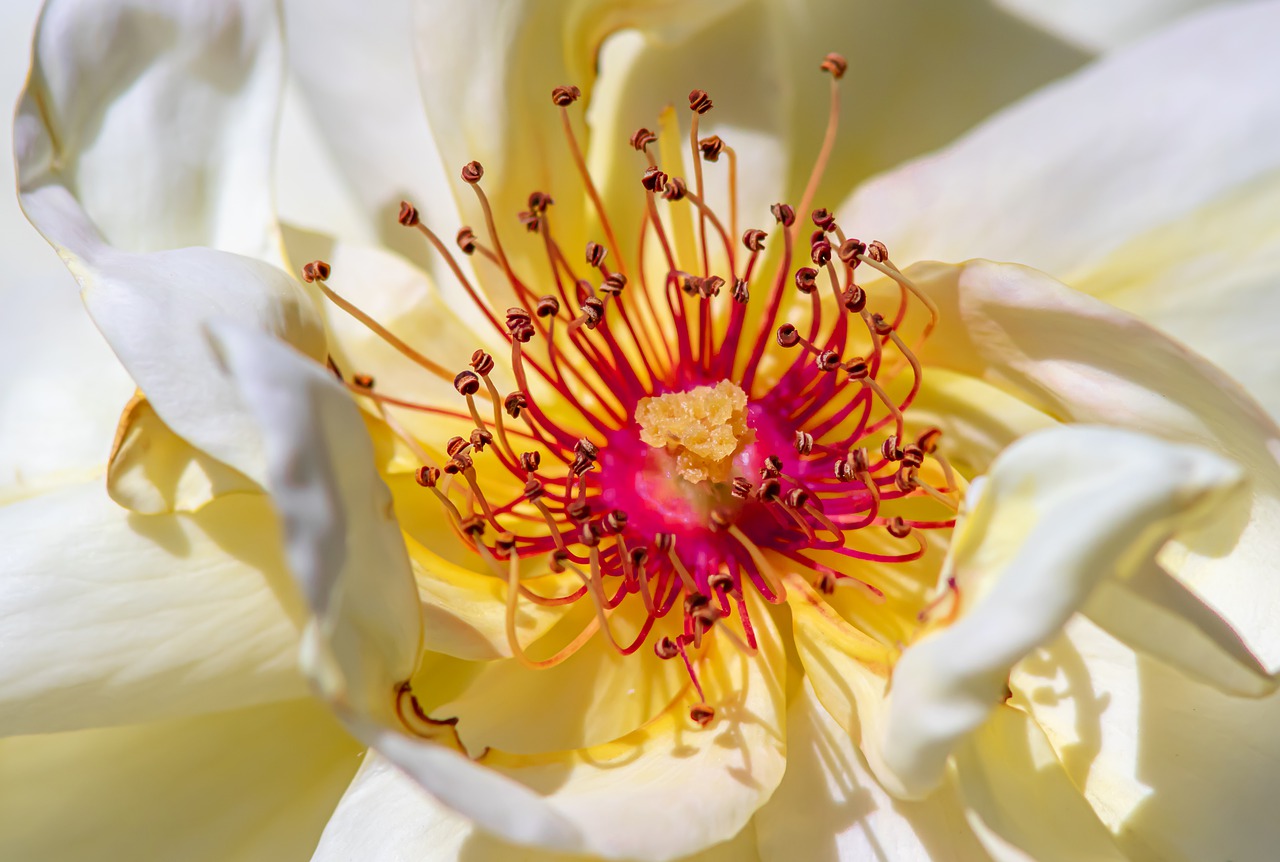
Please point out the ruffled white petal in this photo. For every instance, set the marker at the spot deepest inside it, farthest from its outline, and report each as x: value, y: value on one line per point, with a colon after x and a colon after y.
x: 250, y: 785
x: 112, y: 618
x: 1100, y: 24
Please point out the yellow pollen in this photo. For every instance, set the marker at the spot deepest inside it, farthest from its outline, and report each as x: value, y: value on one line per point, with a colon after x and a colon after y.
x: 704, y: 427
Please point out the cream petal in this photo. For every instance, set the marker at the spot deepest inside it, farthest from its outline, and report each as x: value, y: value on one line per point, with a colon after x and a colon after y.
x: 1139, y: 139
x: 1177, y: 770
x: 829, y: 807
x: 1022, y: 804
x: 1080, y: 360
x: 113, y: 618
x: 341, y: 537
x: 1059, y: 512
x: 158, y: 120
x: 253, y: 785
x: 1101, y: 24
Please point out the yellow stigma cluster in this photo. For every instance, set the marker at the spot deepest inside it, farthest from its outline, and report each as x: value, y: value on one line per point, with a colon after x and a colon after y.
x: 704, y: 428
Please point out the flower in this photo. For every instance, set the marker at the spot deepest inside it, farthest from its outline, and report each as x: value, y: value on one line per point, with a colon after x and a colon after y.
x: 1016, y: 351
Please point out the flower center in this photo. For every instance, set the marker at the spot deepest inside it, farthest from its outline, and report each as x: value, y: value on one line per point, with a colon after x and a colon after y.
x: 677, y: 445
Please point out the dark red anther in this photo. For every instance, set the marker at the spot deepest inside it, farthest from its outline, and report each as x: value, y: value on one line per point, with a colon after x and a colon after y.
x: 665, y: 648
x: 850, y: 249
x: 596, y: 254
x: 770, y: 490
x: 816, y: 236
x: 889, y: 449
x: 533, y: 490
x: 642, y: 139
x: 639, y: 556
x: 711, y: 286
x: 929, y: 439
x: 740, y: 293
x: 699, y: 101
x: 843, y: 471
x: 613, y: 284
x: 836, y: 64
x: 578, y: 511
x: 458, y: 464
x: 530, y: 461
x: 589, y: 535
x: 472, y: 525
x: 804, y: 442
x: 702, y: 714
x: 785, y: 215
x: 467, y: 383
x: 408, y: 214
x: 466, y: 240
x: 563, y: 97
x: 692, y: 285
x: 427, y: 476
x: 674, y: 190
x: 877, y: 252
x: 905, y: 479
x: 504, y: 544
x: 454, y: 446
x: 859, y: 460
x: 858, y: 368
x: 480, y: 438
x: 592, y: 311
x: 520, y: 324
x: 898, y: 528
x: 720, y: 582
x: 548, y: 306
x: 796, y: 498
x: 753, y: 239
x: 531, y: 221
x: 538, y: 202
x: 741, y: 488
x: 854, y: 299
x: 317, y: 270
x: 664, y: 542
x: 654, y: 179
x: 556, y: 563
x: 615, y: 522
x: 711, y: 147
x: 880, y: 325
x: 584, y: 448
x: 472, y: 172
x: 820, y: 253
x: 787, y: 335
x: 825, y: 583
x: 514, y: 404
x: 363, y: 381
x: 481, y: 362
x: 827, y: 360
x: 806, y: 279
x: 823, y: 219
x: 771, y: 466
x: 694, y: 603
x: 912, y: 456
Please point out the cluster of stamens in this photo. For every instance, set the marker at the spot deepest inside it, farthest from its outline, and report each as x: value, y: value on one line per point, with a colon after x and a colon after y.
x: 830, y: 394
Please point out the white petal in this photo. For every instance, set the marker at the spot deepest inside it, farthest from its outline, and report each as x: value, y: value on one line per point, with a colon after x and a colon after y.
x: 158, y: 119
x: 1060, y: 511
x: 1096, y: 24
x: 342, y: 540
x: 113, y: 618
x: 1080, y: 360
x: 253, y: 785
x: 1137, y: 140
x: 829, y: 805
x: 1178, y: 771
x: 1021, y: 802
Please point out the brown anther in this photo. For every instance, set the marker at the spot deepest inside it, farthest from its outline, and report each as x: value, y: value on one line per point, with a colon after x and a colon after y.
x: 770, y: 490
x: 467, y: 383
x: 613, y: 284
x: 912, y: 455
x: 827, y: 360
x: 836, y: 64
x: 654, y: 179
x: 740, y: 293
x: 706, y: 617
x: 720, y: 582
x: 514, y: 404
x: 427, y: 476
x: 857, y: 368
x: 898, y: 528
x: 694, y: 603
x: 531, y: 221
x: 520, y: 324
x: 674, y: 190
x: 787, y: 335
x: 472, y: 525
x: 796, y: 498
x: 877, y: 251
x: 596, y: 253
x: 741, y: 488
x: 665, y: 648
x: 843, y: 471
x: 481, y: 362
x: 466, y: 240
x: 753, y: 239
x: 692, y: 285
x: 664, y: 542
x: 408, y: 214
x: 472, y: 172
x: 905, y: 479
x: 720, y: 519
x: 889, y: 449
x: 586, y: 449
x: 772, y: 466
x: 580, y: 465
x: 820, y: 253
x: 806, y: 279
x: 317, y: 270
x: 533, y: 490
x: 928, y: 440
x: 556, y: 564
x: 816, y: 237
x: 711, y: 147
x: 364, y: 381
x: 538, y: 202
x: 785, y: 215
x: 850, y: 249
x: 530, y: 461
x: 823, y: 219
x: 825, y: 583
x: 548, y: 306
x: 592, y: 311
x: 859, y: 460
x: 480, y: 438
x: 639, y: 556
x: 616, y: 521
x: 589, y: 535
x: 699, y: 101
x: 642, y: 139
x: 804, y: 442
x: 702, y: 714
x: 504, y: 544
x: 565, y: 96
x: 455, y: 445
x: 711, y: 286
x: 880, y: 325
x: 854, y: 299
x: 578, y: 511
